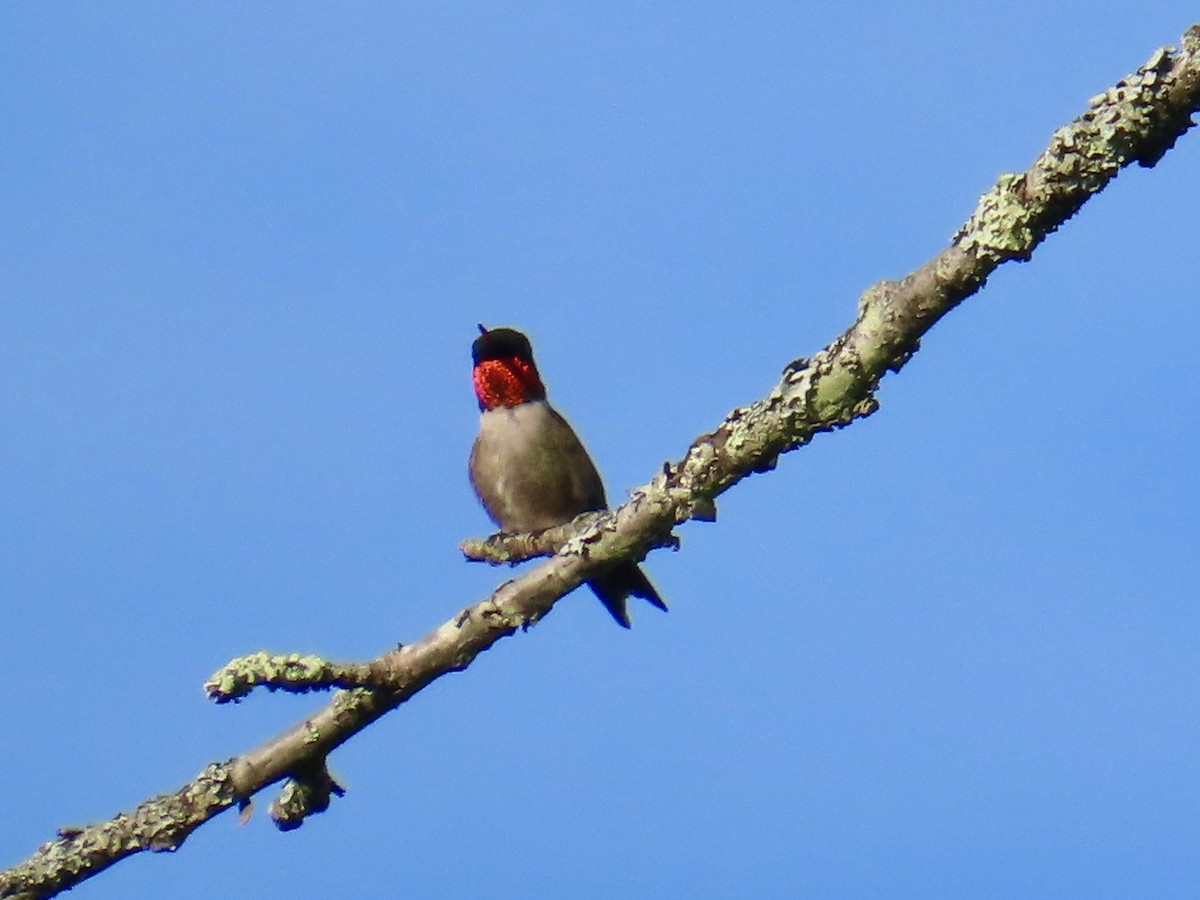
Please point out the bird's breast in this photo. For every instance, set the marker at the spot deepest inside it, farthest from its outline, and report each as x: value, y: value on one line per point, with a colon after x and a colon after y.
x: 530, y: 470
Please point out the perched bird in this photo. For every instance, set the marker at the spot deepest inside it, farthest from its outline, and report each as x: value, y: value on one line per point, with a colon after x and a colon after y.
x: 528, y: 467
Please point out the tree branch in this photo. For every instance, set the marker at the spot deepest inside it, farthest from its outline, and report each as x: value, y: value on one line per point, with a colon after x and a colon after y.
x: 1138, y: 120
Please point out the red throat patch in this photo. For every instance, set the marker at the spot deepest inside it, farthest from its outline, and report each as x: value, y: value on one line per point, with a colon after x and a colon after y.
x: 506, y: 382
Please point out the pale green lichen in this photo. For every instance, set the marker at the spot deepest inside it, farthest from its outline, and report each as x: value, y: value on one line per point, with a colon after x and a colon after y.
x: 289, y: 672
x: 1191, y: 39
x: 1014, y: 216
x: 1001, y: 226
x: 312, y: 734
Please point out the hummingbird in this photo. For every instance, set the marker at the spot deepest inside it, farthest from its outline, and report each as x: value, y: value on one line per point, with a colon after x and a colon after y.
x: 528, y: 467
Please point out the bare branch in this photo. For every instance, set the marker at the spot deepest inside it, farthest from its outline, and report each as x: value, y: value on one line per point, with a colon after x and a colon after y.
x: 1138, y: 120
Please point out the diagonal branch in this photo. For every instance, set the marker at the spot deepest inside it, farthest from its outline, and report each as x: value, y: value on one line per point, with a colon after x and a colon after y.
x: 1138, y: 120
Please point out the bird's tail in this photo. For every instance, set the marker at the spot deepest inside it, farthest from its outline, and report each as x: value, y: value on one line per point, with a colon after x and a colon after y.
x: 615, y: 586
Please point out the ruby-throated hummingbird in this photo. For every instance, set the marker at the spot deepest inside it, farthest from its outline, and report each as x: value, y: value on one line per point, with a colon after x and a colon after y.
x: 528, y: 467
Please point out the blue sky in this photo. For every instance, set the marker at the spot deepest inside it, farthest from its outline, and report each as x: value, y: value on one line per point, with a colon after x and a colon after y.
x: 948, y: 652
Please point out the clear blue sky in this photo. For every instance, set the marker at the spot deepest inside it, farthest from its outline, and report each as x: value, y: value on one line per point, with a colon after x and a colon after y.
x: 948, y: 652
